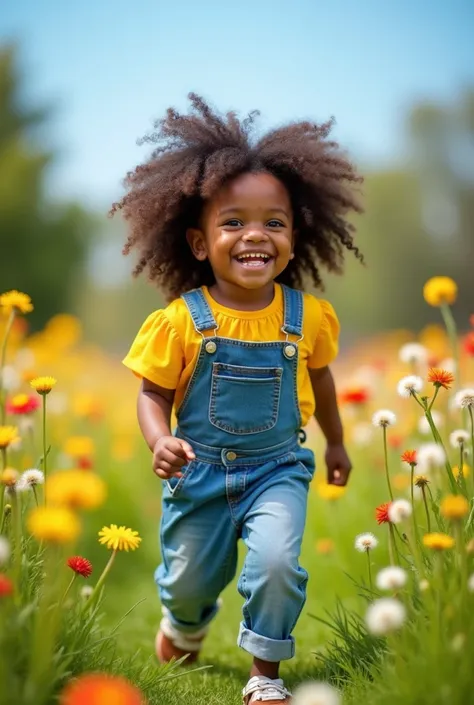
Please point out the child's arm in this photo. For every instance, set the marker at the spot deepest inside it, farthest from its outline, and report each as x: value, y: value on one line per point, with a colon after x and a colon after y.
x: 327, y: 415
x: 154, y: 415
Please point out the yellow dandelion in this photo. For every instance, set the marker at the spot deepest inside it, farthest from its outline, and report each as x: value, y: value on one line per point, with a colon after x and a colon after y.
x: 119, y: 538
x: 438, y: 541
x: 8, y: 435
x: 15, y: 301
x: 466, y: 470
x: 330, y: 492
x: 79, y: 447
x: 9, y: 477
x: 440, y: 290
x: 454, y: 506
x: 75, y: 489
x: 43, y: 385
x: 54, y: 524
x: 324, y: 546
x: 420, y: 480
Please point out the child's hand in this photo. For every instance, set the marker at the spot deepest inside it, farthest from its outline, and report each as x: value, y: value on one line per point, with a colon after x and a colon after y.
x: 338, y: 464
x: 169, y: 456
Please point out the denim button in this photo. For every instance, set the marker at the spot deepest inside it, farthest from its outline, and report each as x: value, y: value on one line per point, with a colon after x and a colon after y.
x: 289, y: 351
x: 230, y: 455
x: 211, y: 347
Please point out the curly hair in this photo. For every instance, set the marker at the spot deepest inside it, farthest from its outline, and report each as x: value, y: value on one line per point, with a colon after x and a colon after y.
x: 199, y: 152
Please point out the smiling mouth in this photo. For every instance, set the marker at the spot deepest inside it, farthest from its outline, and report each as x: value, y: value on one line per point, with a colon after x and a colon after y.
x: 253, y: 260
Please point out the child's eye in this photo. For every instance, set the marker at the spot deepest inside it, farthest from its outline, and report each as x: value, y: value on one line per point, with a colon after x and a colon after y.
x: 233, y: 223
x: 275, y: 224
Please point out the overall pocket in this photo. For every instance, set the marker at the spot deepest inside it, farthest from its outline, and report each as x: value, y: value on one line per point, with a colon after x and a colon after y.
x: 244, y: 399
x: 175, y: 484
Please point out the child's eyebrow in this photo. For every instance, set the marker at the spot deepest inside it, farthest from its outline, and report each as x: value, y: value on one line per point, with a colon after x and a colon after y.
x: 238, y: 209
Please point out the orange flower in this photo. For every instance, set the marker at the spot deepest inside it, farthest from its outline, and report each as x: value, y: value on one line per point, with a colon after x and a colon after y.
x: 100, y: 689
x: 355, y: 395
x: 409, y: 457
x: 6, y: 586
x: 395, y: 440
x: 381, y: 513
x: 440, y: 378
x: 469, y: 343
x: 324, y: 546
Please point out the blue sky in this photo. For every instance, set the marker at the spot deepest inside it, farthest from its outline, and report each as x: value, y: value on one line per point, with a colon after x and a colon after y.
x: 111, y: 67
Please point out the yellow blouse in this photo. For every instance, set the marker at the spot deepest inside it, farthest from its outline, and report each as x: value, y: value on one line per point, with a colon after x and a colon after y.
x: 167, y: 346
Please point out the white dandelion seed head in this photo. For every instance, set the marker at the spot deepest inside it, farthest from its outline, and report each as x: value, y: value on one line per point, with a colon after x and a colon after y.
x: 366, y: 542
x: 423, y: 585
x: 362, y: 434
x: 29, y: 479
x: 458, y: 438
x: 413, y: 353
x: 430, y: 456
x: 384, y: 418
x: 5, y: 550
x: 470, y: 583
x: 464, y: 399
x: 423, y: 425
x: 399, y: 510
x: 86, y: 591
x: 314, y: 693
x: 10, y: 378
x: 384, y: 616
x: 409, y: 385
x: 391, y: 578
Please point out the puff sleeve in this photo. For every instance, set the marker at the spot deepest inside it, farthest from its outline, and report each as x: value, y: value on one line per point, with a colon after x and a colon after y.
x: 327, y: 340
x: 156, y: 352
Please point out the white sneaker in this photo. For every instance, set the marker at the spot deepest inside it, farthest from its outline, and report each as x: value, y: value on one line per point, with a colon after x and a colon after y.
x: 266, y: 690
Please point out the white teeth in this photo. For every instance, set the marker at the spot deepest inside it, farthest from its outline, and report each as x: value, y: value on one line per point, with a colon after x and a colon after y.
x: 254, y: 255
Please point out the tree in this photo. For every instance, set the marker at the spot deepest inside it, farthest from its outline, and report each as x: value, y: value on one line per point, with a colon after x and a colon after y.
x: 43, y: 245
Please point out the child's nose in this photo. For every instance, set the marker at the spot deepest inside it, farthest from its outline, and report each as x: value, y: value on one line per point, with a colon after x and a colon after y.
x: 255, y: 234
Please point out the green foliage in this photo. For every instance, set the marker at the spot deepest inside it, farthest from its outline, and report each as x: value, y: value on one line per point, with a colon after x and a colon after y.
x: 43, y: 243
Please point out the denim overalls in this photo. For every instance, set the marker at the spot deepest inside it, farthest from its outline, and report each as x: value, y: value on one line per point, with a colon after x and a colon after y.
x: 249, y: 480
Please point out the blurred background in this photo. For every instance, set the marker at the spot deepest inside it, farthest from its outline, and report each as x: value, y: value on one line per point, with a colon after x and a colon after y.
x: 80, y: 82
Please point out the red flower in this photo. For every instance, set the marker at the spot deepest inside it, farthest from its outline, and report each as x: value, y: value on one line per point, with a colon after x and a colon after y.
x: 409, y: 456
x: 440, y: 378
x: 80, y: 565
x: 6, y: 586
x: 469, y: 344
x: 23, y: 404
x: 381, y: 513
x: 355, y: 395
x: 84, y: 463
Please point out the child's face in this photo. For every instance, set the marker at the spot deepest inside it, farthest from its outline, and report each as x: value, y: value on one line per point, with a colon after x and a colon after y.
x: 246, y: 231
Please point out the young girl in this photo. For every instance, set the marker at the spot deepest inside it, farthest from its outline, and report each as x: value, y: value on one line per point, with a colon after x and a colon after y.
x: 229, y: 228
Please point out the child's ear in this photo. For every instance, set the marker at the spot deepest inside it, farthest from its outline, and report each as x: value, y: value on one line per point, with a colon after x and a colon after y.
x: 197, y: 243
x: 295, y: 235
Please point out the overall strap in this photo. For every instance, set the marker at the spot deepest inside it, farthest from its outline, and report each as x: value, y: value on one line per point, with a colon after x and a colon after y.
x: 293, y: 311
x: 200, y: 310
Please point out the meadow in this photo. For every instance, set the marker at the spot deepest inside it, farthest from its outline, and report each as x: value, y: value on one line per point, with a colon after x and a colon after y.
x: 78, y: 605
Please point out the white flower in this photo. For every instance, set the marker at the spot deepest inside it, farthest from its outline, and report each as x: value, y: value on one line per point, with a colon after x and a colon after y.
x: 10, y: 378
x: 384, y: 616
x: 458, y: 438
x: 399, y: 510
x: 430, y: 456
x: 365, y: 542
x: 413, y: 353
x: 316, y: 694
x: 470, y: 583
x: 4, y: 550
x: 464, y: 399
x: 438, y: 420
x: 384, y: 418
x: 410, y: 385
x: 423, y: 585
x: 362, y: 434
x: 29, y: 479
x: 391, y: 578
x: 86, y: 591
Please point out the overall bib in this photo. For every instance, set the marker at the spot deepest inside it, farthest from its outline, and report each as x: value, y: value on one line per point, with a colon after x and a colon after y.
x: 249, y: 480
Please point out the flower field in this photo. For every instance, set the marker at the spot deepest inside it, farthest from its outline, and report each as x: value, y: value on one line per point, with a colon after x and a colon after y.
x: 390, y: 557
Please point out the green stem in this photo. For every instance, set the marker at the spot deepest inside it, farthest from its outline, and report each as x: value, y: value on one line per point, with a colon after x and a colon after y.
x: 370, y: 570
x: 71, y: 583
x: 4, y: 458
x: 16, y: 523
x: 439, y: 441
x: 387, y: 474
x: 35, y: 494
x: 394, y: 544
x: 471, y: 419
x: 426, y: 509
x: 450, y: 324
x: 101, y: 580
x: 434, y: 398
x: 45, y: 454
x: 390, y: 546
x: 8, y: 328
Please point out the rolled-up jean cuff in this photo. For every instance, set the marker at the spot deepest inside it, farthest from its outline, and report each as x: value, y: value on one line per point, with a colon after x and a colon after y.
x: 264, y: 648
x: 192, y: 628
